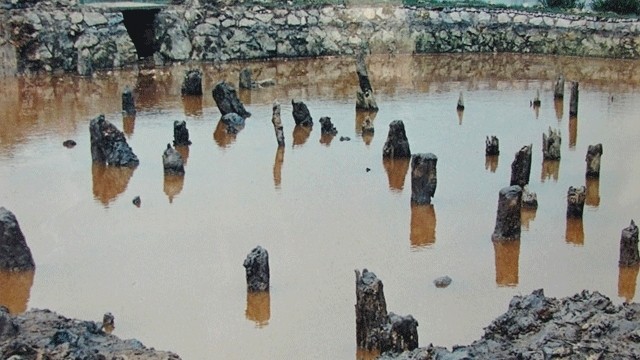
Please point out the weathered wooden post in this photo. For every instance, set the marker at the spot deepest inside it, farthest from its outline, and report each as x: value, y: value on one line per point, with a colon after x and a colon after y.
x: 536, y: 100
x: 397, y: 144
x: 460, y: 106
x: 629, y: 246
x: 227, y: 100
x: 128, y: 103
x: 423, y: 225
x: 573, y: 100
x: 365, y: 100
x: 15, y: 255
x: 327, y: 127
x: 575, y: 201
x: 192, y: 83
x: 424, y: 178
x: 172, y: 161
x: 245, y: 81
x: 301, y: 114
x: 558, y: 89
x: 594, y: 153
x: 256, y: 267
x: 180, y: 133
x: 492, y: 146
x: 276, y: 120
x: 551, y: 145
x: 521, y: 167
x: 508, y: 215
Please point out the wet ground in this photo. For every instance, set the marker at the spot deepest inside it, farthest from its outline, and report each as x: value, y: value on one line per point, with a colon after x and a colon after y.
x: 171, y: 270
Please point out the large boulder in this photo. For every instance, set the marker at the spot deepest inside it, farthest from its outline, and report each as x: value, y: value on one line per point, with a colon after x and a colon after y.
x: 14, y: 252
x: 108, y: 144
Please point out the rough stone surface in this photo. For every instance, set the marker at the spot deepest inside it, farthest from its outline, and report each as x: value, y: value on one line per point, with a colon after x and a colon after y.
x: 42, y: 334
x: 397, y: 144
x: 15, y: 255
x: 257, y: 270
x: 508, y: 215
x: 172, y: 161
x: 192, y: 83
x: 108, y: 144
x: 584, y: 326
x: 227, y: 100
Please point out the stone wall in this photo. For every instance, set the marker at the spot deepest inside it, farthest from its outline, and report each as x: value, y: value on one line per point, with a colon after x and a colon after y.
x: 83, y: 39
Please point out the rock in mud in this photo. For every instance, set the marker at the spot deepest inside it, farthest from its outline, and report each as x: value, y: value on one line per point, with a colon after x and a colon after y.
x: 15, y: 255
x: 108, y: 144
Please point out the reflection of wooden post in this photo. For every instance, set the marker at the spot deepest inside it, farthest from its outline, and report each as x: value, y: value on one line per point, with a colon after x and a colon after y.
x: 573, y: 100
x: 424, y: 178
x: 573, y: 131
x: 258, y: 308
x: 508, y: 214
x: 423, y: 225
x: 527, y: 216
x: 507, y: 257
x: 491, y: 163
x: 301, y: 134
x: 574, y: 233
x: 594, y: 153
x: 128, y: 124
x: 550, y: 170
x: 128, y: 104
x: 536, y: 100
x: 15, y: 289
x: 277, y: 124
x: 558, y: 106
x: 575, y: 201
x: 192, y: 105
x: 396, y: 170
x: 629, y: 246
x: 364, y: 125
x: 173, y: 184
x: 277, y: 167
x: 592, y: 197
x: 627, y: 277
x: 460, y: 106
x: 521, y: 167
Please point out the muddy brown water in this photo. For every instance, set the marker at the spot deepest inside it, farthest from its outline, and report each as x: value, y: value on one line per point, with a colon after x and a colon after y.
x: 171, y: 270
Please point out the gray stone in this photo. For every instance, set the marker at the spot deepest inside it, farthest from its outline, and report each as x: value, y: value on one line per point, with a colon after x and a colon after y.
x: 442, y: 281
x: 397, y: 144
x: 93, y: 19
x: 108, y: 144
x: 172, y: 161
x: 15, y: 255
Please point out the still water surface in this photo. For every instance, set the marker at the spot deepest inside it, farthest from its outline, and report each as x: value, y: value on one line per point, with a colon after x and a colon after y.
x: 171, y: 271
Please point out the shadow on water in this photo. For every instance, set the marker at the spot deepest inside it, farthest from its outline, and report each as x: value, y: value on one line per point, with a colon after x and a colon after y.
x: 423, y: 226
x: 627, y: 278
x: 396, y: 172
x: 109, y: 181
x: 507, y: 254
x: 258, y: 308
x: 15, y: 289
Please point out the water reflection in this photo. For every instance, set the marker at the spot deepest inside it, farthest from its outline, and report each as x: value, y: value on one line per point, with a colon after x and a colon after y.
x: 423, y: 226
x: 192, y: 105
x: 575, y: 231
x: 109, y: 181
x: 550, y: 170
x: 526, y: 217
x: 277, y: 167
x: 183, y: 150
x: 301, y: 134
x: 173, y: 185
x: 491, y: 162
x: 128, y: 124
x: 396, y: 172
x: 627, y: 278
x: 460, y: 116
x: 258, y: 308
x: 507, y: 254
x: 363, y: 354
x: 573, y: 132
x: 558, y: 105
x: 364, y: 125
x: 244, y: 95
x: 222, y: 136
x: 146, y: 92
x: 593, y: 192
x: 15, y: 289
x: 325, y: 139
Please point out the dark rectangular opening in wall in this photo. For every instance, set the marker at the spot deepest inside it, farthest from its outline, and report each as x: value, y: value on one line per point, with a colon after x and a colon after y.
x: 140, y: 26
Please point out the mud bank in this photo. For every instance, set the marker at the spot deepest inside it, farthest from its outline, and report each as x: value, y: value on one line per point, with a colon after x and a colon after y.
x: 584, y: 326
x: 42, y: 334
